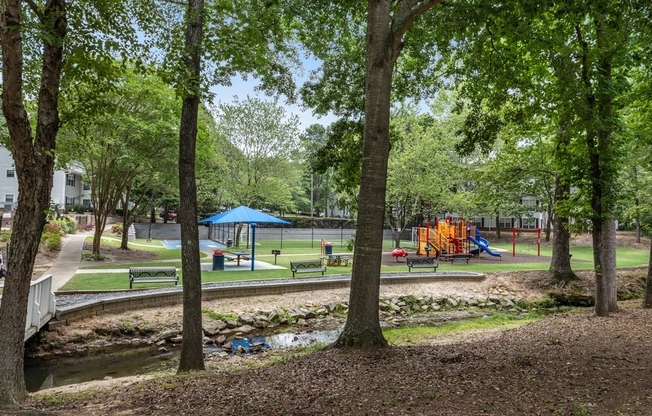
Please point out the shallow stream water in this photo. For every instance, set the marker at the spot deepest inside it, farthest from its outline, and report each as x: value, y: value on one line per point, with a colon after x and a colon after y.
x: 44, y: 374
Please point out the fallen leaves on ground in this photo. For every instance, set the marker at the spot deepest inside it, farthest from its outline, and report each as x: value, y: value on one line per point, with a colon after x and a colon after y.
x: 568, y: 364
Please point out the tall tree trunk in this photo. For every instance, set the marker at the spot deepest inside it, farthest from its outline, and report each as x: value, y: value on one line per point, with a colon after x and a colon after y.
x: 607, y: 161
x: 647, y: 300
x: 237, y: 240
x: 601, y: 295
x: 124, y: 239
x: 34, y: 162
x: 560, y: 267
x: 383, y: 45
x: 126, y: 219
x: 100, y: 224
x: 599, y: 117
x: 609, y: 263
x: 549, y: 221
x: 498, y: 225
x: 192, y: 353
x: 637, y: 204
x: 362, y: 326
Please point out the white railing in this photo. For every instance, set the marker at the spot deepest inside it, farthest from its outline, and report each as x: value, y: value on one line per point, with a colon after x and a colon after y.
x: 40, y: 305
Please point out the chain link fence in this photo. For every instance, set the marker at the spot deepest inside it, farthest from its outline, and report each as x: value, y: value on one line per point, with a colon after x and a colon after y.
x: 226, y: 234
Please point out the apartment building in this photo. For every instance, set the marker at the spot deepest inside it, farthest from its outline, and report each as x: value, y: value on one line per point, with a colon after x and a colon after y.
x: 68, y: 187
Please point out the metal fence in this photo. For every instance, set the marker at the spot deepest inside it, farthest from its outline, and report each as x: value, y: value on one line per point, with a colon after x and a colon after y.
x: 226, y: 234
x: 338, y: 237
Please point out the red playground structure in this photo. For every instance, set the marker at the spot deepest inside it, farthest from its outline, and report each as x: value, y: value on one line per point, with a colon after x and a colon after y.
x: 450, y: 239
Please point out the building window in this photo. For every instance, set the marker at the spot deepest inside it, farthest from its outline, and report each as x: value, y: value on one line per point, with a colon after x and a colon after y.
x: 86, y: 202
x: 86, y: 187
x: 70, y: 179
x: 476, y: 222
x: 11, y: 173
x: 9, y: 197
x: 70, y: 200
x: 530, y: 202
x: 529, y: 223
x: 505, y: 222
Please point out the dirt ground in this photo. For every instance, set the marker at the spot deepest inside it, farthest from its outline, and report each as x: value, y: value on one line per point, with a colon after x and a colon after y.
x: 570, y: 363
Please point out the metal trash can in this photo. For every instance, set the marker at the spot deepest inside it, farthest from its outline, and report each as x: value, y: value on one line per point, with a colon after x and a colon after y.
x: 229, y: 242
x: 218, y: 260
x: 328, y: 247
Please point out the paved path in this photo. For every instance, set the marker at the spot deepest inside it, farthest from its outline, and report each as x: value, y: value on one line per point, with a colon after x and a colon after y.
x: 67, y: 263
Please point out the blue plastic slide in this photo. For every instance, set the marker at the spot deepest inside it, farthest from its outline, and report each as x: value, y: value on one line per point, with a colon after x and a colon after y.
x: 483, y: 245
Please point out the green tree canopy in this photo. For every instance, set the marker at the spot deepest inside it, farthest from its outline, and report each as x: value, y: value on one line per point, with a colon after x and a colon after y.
x: 129, y: 138
x: 264, y: 140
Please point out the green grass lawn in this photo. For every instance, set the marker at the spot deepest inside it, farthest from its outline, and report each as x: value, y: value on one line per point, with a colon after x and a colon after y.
x: 297, y: 250
x: 415, y: 335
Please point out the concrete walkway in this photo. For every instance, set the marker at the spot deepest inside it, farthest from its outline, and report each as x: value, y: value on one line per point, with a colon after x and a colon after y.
x: 67, y: 263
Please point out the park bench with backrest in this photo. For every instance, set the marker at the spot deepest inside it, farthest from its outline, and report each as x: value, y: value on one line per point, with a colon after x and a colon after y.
x: 421, y: 263
x: 152, y: 275
x: 307, y: 266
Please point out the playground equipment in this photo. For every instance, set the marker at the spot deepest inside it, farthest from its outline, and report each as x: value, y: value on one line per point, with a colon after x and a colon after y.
x: 449, y: 238
x: 399, y: 252
x: 483, y: 245
x: 515, y: 232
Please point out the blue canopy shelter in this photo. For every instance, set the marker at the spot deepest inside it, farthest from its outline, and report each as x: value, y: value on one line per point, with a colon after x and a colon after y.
x: 246, y: 215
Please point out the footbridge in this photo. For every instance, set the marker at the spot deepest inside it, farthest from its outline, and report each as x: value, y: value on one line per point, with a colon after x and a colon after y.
x: 41, y: 305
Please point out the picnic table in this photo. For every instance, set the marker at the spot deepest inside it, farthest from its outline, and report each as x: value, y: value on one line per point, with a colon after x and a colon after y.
x: 240, y: 255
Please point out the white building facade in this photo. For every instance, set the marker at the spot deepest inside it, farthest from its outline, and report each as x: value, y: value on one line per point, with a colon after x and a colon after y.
x: 532, y: 219
x: 67, y: 188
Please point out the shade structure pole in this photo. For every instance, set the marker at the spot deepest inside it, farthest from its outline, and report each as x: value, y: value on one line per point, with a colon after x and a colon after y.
x: 253, y: 244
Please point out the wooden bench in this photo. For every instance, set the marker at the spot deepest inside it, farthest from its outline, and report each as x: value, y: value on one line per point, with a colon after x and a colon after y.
x: 307, y: 266
x: 152, y: 275
x: 421, y: 263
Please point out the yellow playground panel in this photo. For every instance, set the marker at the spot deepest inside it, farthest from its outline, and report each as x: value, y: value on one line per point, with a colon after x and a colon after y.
x: 446, y: 237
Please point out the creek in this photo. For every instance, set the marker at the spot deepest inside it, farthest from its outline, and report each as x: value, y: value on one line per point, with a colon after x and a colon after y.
x: 43, y: 374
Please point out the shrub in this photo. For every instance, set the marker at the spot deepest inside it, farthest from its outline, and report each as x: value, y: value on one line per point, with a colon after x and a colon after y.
x: 67, y: 224
x: 51, y: 241
x: 350, y: 244
x: 116, y: 228
x: 5, y: 236
x: 93, y: 257
x: 52, y: 228
x: 78, y: 208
